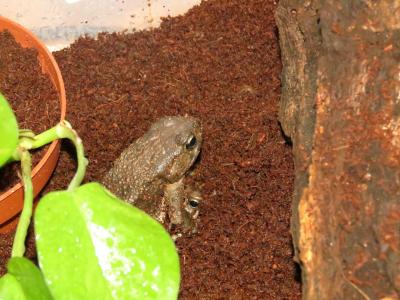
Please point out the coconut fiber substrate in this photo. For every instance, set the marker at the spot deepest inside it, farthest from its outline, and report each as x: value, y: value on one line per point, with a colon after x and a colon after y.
x: 31, y: 95
x: 220, y: 63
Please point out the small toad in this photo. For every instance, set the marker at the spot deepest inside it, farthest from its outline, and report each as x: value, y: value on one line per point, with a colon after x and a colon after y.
x: 150, y: 172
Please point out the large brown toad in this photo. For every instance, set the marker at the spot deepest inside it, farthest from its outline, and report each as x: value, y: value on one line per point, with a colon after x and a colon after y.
x: 150, y: 172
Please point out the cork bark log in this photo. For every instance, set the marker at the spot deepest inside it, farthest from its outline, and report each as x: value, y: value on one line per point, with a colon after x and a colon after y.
x: 341, y: 108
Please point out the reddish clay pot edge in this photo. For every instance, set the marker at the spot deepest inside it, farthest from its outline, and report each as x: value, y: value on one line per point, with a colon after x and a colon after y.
x: 11, y: 201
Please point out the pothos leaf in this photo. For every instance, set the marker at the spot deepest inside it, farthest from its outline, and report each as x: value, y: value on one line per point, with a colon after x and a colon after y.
x: 8, y: 131
x: 91, y: 245
x: 29, y: 277
x: 11, y: 289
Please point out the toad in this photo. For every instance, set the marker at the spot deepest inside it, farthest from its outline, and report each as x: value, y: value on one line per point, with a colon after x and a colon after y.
x: 150, y: 172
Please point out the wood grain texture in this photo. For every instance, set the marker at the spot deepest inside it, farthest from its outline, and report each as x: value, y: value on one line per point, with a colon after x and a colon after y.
x: 341, y: 108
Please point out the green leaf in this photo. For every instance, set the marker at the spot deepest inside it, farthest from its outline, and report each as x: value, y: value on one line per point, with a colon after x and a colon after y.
x: 10, y: 288
x: 91, y: 245
x: 29, y: 277
x: 8, y: 131
x: 23, y: 282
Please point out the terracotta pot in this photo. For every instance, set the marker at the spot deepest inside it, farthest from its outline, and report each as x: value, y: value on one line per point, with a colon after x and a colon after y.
x: 11, y: 201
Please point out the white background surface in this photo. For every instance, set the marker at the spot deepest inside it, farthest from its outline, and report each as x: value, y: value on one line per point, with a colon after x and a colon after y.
x: 60, y: 22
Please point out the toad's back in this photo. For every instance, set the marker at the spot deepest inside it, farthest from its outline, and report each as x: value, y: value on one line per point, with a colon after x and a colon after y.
x: 161, y: 156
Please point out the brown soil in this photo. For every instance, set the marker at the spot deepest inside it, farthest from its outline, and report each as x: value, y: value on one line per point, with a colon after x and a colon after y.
x: 29, y: 92
x: 36, y: 105
x: 220, y: 62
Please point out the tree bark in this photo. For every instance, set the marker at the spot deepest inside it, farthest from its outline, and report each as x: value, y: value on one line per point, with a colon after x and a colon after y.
x: 341, y: 108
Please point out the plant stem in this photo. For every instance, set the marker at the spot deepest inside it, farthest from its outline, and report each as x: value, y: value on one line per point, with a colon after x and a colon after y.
x: 60, y: 131
x: 27, y: 142
x: 18, y: 248
x: 66, y: 131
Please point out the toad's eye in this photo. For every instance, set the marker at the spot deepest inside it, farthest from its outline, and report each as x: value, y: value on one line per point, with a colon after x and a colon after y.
x: 191, y: 142
x: 193, y: 203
